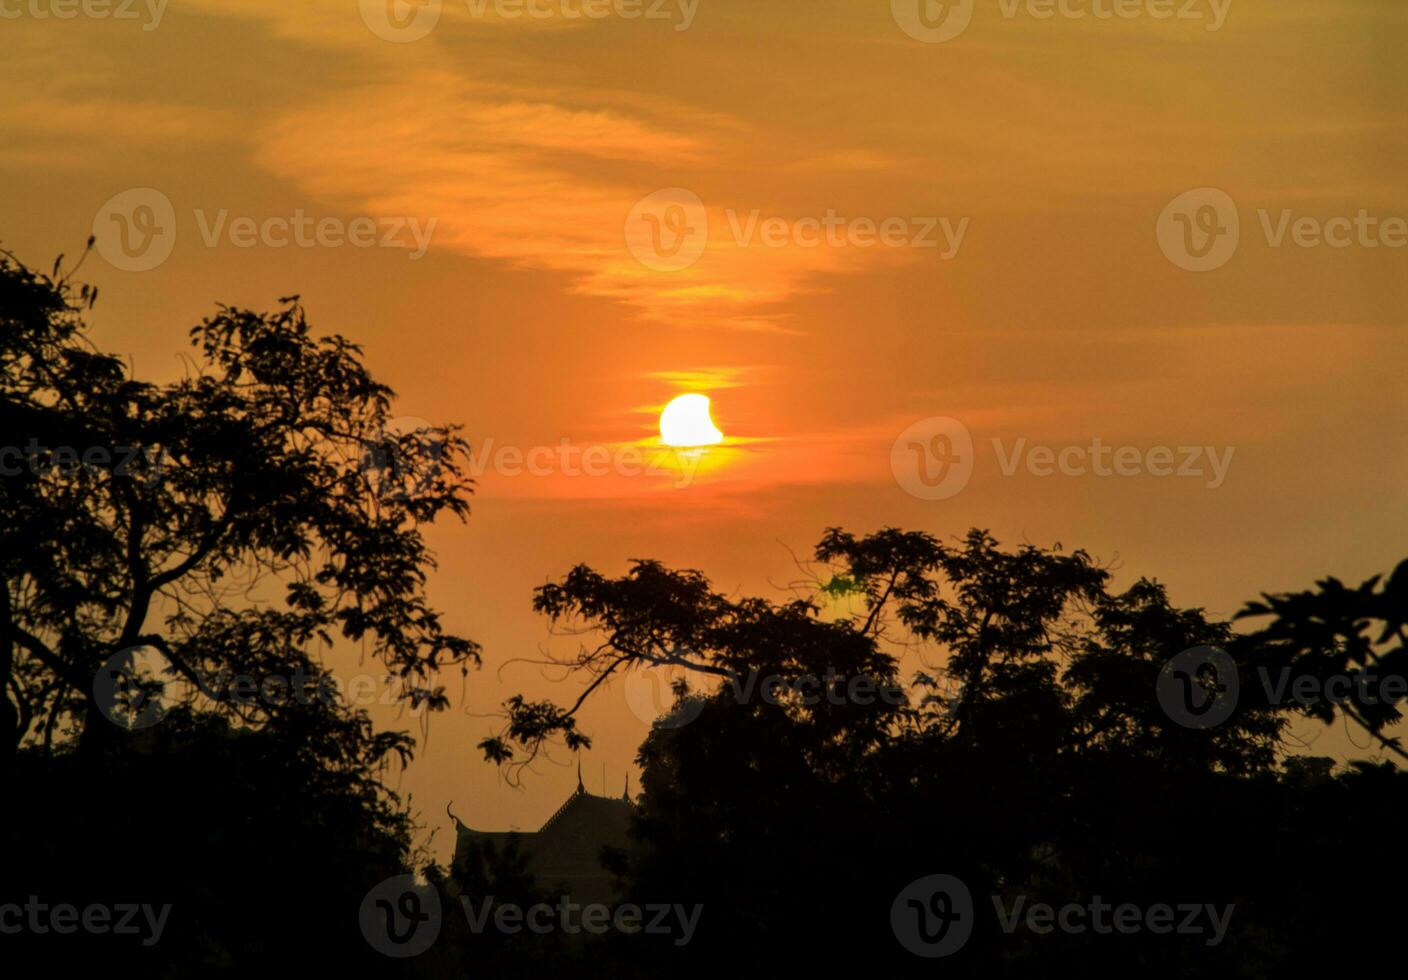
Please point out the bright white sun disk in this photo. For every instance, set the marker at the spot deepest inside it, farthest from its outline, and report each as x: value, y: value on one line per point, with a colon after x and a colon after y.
x: 685, y: 422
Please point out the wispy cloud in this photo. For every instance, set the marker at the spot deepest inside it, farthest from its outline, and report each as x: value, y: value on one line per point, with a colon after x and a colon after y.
x: 540, y: 183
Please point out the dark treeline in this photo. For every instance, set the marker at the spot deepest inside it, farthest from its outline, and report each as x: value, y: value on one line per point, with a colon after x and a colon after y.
x: 1079, y: 744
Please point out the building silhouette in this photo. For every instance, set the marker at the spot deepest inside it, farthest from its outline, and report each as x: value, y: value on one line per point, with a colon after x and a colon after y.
x: 565, y: 853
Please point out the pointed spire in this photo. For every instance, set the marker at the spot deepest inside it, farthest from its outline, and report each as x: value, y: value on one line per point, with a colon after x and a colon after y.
x: 626, y: 794
x: 580, y: 787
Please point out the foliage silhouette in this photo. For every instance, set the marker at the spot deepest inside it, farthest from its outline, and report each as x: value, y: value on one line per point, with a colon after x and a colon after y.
x: 238, y: 522
x: 1054, y: 776
x: 249, y: 474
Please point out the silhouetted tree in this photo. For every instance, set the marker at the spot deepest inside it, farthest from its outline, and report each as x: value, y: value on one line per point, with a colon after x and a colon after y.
x: 235, y: 522
x: 270, y: 467
x: 1335, y: 631
x: 1034, y: 760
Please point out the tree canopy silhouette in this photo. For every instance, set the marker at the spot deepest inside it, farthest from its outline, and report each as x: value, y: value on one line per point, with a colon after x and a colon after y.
x: 1031, y: 637
x: 1030, y: 757
x: 232, y: 520
x: 239, y: 522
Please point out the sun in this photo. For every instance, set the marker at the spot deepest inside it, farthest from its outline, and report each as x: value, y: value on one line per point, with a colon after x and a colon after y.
x: 685, y: 423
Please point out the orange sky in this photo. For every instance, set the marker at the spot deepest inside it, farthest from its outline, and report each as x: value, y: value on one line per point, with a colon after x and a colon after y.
x: 1054, y: 144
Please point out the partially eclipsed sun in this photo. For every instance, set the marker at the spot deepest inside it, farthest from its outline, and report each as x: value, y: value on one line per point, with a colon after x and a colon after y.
x: 685, y: 422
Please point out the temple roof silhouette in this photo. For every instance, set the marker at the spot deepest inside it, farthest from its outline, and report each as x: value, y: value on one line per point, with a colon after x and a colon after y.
x: 565, y: 853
